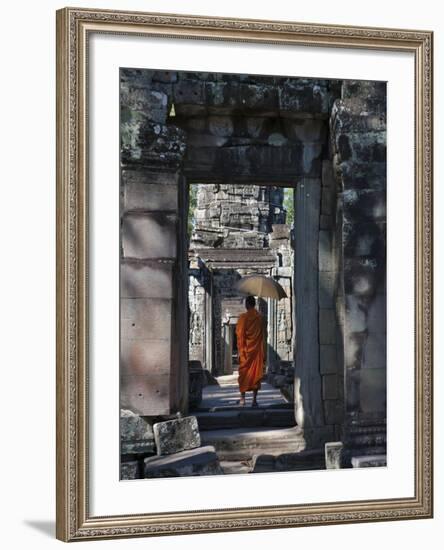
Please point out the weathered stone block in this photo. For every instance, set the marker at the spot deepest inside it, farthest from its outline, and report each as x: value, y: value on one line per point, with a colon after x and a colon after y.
x: 364, y: 205
x: 353, y: 349
x: 356, y: 313
x: 328, y: 197
x: 243, y: 443
x: 363, y: 175
x: 162, y: 147
x: 377, y: 314
x: 202, y: 140
x: 333, y: 453
x: 369, y: 461
x: 263, y: 163
x: 340, y: 310
x: 143, y: 176
x: 327, y: 326
x: 146, y: 280
x: 144, y: 357
x: 280, y: 231
x: 375, y: 351
x: 330, y: 386
x: 311, y: 459
x: 142, y: 197
x: 326, y: 259
x: 287, y: 462
x: 325, y: 222
x: 347, y: 120
x: 129, y: 470
x: 363, y: 276
x: 150, y: 235
x: 304, y: 99
x: 333, y: 411
x: 145, y: 318
x: 373, y: 390
x: 196, y: 462
x: 369, y: 147
x: 196, y: 383
x: 259, y: 97
x: 263, y: 463
x: 146, y: 395
x: 257, y: 127
x: 136, y: 434
x: 311, y: 159
x: 317, y: 436
x: 327, y: 359
x: 238, y: 97
x: 328, y: 177
x: 309, y: 129
x: 176, y: 435
x: 189, y: 91
x: 165, y: 76
x: 327, y: 281
x: 221, y: 126
x: 135, y: 100
x: 141, y: 77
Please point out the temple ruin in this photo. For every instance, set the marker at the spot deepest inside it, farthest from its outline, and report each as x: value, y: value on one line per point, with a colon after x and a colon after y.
x: 242, y: 139
x: 239, y: 230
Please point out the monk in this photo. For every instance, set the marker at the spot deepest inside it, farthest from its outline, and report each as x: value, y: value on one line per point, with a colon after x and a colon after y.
x: 250, y: 344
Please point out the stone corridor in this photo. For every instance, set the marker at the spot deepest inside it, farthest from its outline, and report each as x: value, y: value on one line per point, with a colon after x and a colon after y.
x: 226, y: 133
x: 247, y: 439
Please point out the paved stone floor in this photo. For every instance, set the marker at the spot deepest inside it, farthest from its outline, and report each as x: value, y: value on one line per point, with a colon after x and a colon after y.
x: 226, y: 394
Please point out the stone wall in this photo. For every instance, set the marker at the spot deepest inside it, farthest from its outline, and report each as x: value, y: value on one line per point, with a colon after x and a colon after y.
x: 358, y: 125
x: 151, y: 265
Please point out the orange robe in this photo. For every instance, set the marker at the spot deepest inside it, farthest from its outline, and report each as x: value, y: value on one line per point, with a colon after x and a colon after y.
x: 250, y: 344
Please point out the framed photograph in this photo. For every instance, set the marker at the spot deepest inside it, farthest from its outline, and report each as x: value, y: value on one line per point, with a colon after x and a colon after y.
x: 244, y: 274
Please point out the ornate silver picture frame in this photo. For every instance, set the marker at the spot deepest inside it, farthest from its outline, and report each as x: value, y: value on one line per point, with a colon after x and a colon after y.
x: 75, y: 518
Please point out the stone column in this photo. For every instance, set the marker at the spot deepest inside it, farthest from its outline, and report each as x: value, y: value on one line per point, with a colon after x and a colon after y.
x: 358, y: 125
x: 153, y: 354
x: 308, y: 390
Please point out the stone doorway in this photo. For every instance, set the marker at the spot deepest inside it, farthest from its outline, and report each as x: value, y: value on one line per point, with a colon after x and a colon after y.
x: 324, y: 138
x: 240, y: 229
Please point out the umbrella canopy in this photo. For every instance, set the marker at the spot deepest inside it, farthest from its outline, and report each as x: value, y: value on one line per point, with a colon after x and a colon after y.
x: 259, y: 285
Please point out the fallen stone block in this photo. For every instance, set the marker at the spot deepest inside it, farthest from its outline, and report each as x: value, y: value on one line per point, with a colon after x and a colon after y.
x: 194, y: 462
x: 263, y: 463
x: 136, y: 434
x: 333, y: 455
x: 369, y: 461
x: 176, y: 435
x: 235, y: 467
x: 243, y: 443
x: 289, y: 462
x: 312, y: 459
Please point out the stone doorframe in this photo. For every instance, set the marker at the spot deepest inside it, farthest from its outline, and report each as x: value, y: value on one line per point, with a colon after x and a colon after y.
x: 269, y: 131
x: 313, y: 293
